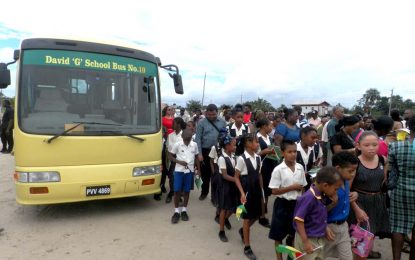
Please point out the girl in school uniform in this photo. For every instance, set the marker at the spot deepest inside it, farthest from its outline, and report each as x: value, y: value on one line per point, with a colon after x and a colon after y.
x: 268, y: 165
x: 227, y: 192
x: 249, y: 182
x: 238, y: 127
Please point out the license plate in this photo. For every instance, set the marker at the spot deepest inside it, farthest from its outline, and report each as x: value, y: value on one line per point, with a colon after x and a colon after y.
x: 98, y: 190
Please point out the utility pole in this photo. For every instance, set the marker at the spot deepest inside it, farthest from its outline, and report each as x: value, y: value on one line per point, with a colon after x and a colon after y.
x: 390, y: 102
x: 203, y: 95
x: 241, y: 98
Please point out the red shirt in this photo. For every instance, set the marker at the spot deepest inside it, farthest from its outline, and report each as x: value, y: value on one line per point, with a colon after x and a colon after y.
x: 168, y: 124
x: 247, y: 117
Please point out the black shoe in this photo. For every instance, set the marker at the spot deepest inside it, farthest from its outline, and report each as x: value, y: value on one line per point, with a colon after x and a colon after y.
x: 157, y: 197
x: 202, y: 196
x: 184, y: 216
x: 1, y: 230
x: 163, y: 189
x: 3, y: 150
x: 217, y: 219
x: 228, y: 224
x: 241, y: 233
x: 264, y: 222
x: 222, y: 236
x: 248, y: 253
x: 175, y: 218
x: 169, y: 198
x: 6, y: 151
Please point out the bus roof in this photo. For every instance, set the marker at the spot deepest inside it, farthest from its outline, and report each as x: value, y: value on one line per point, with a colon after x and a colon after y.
x: 127, y: 50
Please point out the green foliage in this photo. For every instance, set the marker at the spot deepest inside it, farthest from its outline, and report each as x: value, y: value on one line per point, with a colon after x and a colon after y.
x: 261, y: 104
x: 193, y: 105
x: 369, y: 99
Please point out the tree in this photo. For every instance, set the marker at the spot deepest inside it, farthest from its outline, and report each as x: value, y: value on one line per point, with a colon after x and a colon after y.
x: 368, y: 101
x: 356, y: 109
x: 261, y: 104
x: 193, y: 105
x: 381, y: 106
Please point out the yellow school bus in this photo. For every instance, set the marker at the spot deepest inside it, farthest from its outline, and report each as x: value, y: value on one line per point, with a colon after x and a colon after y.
x: 87, y: 120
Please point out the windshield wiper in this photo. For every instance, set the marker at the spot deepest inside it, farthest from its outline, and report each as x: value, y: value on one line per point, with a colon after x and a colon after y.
x: 119, y: 132
x: 75, y: 126
x: 96, y: 123
x: 63, y: 133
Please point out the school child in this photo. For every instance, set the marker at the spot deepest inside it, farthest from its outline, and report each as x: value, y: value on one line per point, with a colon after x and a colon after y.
x: 287, y: 182
x: 310, y: 214
x: 346, y: 165
x: 178, y: 126
x: 238, y: 128
x: 249, y: 182
x: 184, y: 155
x: 268, y: 165
x: 306, y: 151
x: 214, y: 153
x: 227, y: 192
x: 371, y: 204
x: 192, y: 127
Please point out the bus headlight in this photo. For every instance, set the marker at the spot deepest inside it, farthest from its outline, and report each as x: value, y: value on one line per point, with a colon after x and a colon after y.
x: 146, y: 170
x: 35, y: 177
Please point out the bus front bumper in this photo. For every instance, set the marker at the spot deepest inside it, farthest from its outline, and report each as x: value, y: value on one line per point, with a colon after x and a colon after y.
x: 85, y: 183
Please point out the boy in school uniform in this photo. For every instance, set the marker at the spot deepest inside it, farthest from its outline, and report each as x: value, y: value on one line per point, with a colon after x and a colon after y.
x: 346, y: 164
x: 185, y: 152
x: 310, y: 214
x: 287, y: 182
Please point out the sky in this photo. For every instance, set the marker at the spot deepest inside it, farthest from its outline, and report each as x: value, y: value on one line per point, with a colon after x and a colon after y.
x: 281, y: 51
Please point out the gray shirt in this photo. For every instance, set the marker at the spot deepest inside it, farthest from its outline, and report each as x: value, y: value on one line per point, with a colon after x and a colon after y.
x: 206, y: 134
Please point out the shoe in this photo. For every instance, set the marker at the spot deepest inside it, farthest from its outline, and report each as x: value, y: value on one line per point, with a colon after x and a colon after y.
x: 217, y: 219
x: 241, y: 233
x: 169, y: 197
x: 228, y: 224
x: 3, y: 150
x: 264, y: 222
x: 157, y: 197
x: 184, y: 216
x: 6, y: 151
x: 248, y: 253
x: 202, y: 196
x: 222, y: 236
x: 163, y: 189
x: 175, y: 218
x: 374, y: 255
x: 1, y: 230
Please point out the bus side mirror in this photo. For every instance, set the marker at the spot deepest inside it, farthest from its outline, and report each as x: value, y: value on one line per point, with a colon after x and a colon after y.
x: 178, y: 84
x: 4, y: 76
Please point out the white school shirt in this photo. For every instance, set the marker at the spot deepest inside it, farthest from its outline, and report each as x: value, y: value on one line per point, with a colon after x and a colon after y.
x: 185, y: 153
x: 222, y: 162
x: 213, y: 154
x: 306, y: 154
x: 239, y: 131
x: 240, y: 163
x: 172, y: 139
x: 265, y: 138
x: 282, y: 177
x: 324, y: 133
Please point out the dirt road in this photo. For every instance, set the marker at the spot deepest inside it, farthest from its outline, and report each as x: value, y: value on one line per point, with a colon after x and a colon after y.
x: 133, y: 228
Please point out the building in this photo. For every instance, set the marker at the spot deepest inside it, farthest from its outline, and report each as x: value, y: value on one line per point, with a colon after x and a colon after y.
x: 322, y: 107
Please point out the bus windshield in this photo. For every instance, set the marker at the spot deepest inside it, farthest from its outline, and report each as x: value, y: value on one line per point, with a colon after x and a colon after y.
x: 115, y: 95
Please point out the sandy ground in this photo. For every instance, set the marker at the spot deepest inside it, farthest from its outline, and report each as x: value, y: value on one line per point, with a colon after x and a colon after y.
x: 132, y: 228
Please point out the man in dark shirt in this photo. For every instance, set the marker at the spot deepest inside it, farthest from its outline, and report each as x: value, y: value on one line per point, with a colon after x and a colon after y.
x: 207, y: 133
x: 7, y: 128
